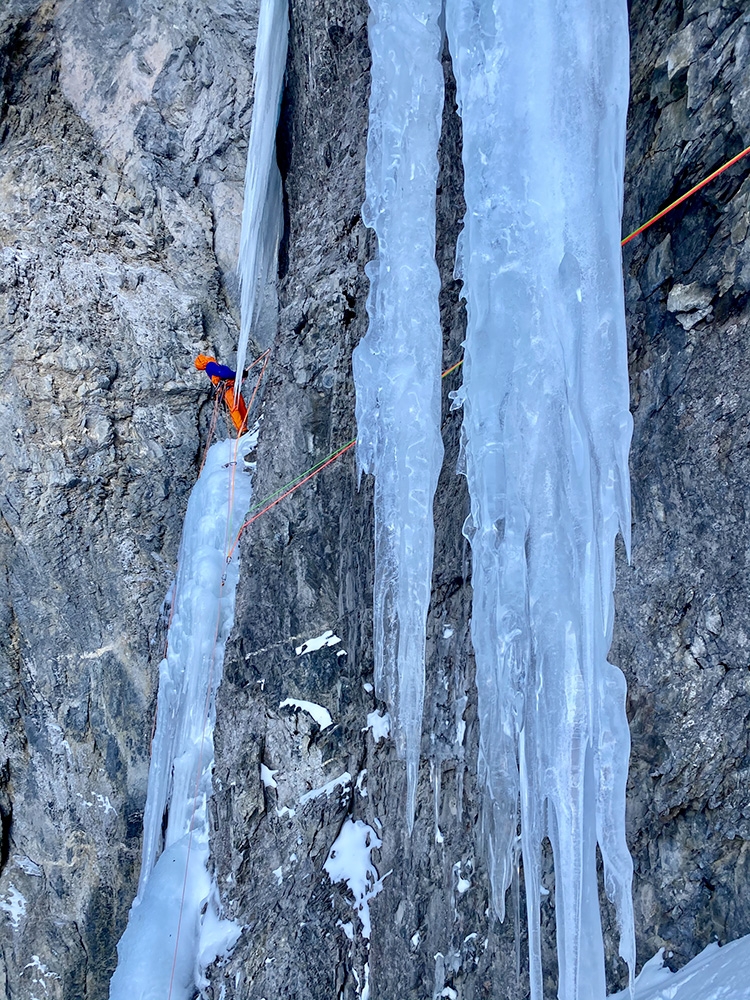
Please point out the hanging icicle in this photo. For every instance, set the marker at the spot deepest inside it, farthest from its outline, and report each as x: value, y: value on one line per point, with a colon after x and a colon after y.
x: 397, y: 364
x: 262, y: 215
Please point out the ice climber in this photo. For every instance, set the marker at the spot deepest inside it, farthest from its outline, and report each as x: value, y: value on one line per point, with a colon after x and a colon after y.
x: 223, y: 378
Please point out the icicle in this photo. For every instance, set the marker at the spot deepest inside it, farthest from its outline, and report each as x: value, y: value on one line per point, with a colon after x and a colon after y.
x: 542, y: 92
x: 262, y: 216
x: 397, y: 364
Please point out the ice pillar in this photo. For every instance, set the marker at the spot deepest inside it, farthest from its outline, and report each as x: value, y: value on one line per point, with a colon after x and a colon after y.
x: 397, y: 364
x: 542, y: 92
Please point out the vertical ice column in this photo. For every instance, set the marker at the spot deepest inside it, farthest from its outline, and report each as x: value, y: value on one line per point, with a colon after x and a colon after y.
x: 262, y: 216
x: 397, y: 364
x: 175, y: 888
x: 542, y: 92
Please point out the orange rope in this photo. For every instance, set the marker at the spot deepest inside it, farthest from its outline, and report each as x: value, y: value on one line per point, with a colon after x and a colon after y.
x: 684, y: 197
x: 264, y: 357
x: 313, y: 473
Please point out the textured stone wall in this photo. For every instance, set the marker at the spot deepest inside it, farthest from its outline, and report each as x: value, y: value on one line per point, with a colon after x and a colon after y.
x: 122, y: 135
x: 123, y: 129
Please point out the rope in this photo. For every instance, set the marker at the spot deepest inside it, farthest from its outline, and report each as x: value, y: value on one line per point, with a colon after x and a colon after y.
x: 684, y: 197
x: 265, y: 358
x: 301, y: 482
x: 284, y: 491
x: 263, y: 506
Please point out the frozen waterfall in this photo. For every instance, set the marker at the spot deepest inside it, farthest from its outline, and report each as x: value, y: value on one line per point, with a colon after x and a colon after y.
x: 542, y: 93
x: 175, y: 889
x: 397, y: 364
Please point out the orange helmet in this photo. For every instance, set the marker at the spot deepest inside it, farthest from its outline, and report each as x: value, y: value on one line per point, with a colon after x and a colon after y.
x: 202, y: 360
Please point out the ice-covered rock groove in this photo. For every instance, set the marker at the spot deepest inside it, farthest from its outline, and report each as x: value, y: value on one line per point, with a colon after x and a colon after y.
x: 542, y: 93
x: 175, y: 887
x: 397, y: 363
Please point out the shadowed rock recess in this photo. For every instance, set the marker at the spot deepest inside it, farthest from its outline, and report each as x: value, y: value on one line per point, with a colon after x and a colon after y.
x: 123, y: 133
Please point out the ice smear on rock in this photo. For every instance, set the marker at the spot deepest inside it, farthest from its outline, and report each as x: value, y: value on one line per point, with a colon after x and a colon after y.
x: 397, y: 364
x: 182, y: 753
x: 542, y: 92
x: 262, y: 218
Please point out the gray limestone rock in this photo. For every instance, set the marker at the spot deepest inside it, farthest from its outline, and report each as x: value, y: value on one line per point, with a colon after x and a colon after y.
x: 123, y: 131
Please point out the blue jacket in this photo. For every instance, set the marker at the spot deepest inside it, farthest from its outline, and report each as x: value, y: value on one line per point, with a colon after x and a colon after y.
x: 220, y: 371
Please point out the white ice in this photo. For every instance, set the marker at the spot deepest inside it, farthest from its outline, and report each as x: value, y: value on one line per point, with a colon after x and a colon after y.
x: 715, y: 974
x: 397, y: 363
x: 175, y: 927
x: 262, y: 217
x: 542, y: 93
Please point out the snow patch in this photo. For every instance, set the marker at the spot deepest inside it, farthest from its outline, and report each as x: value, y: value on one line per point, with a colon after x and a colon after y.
x: 462, y: 884
x: 380, y: 726
x: 349, y: 861
x: 106, y: 805
x: 14, y: 905
x: 321, y: 715
x: 267, y: 777
x: 310, y: 645
x: 717, y: 973
x: 347, y: 928
x: 28, y: 866
x: 343, y: 781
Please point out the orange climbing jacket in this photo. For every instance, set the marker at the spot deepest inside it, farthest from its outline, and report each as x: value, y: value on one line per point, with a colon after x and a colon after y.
x: 222, y: 376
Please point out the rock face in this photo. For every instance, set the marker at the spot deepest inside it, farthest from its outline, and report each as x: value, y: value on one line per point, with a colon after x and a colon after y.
x: 121, y: 142
x: 123, y: 128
